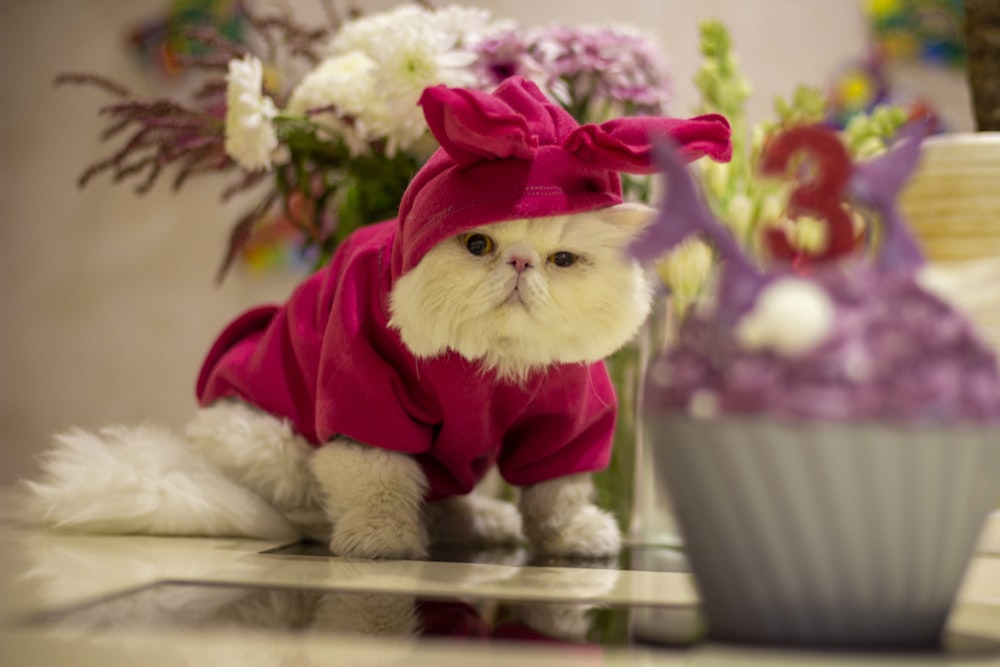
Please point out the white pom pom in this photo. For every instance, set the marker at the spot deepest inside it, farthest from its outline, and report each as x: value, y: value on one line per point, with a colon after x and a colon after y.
x: 791, y: 317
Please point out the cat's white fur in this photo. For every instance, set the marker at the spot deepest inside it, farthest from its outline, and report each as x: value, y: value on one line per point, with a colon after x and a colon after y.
x: 582, y: 313
x: 242, y: 472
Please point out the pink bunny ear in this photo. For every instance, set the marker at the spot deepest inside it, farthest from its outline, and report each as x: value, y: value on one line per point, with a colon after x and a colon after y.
x: 472, y: 126
x: 626, y: 144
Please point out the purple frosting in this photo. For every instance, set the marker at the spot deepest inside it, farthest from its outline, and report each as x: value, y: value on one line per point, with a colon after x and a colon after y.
x: 895, y: 353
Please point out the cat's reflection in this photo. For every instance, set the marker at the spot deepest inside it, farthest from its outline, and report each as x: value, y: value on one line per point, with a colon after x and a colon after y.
x: 248, y: 625
x: 358, y: 613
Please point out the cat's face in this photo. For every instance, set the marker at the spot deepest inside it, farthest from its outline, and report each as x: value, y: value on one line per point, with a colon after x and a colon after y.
x: 523, y: 294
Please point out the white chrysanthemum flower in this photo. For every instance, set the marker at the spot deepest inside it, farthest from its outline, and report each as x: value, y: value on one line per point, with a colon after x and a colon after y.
x: 370, y: 32
x: 466, y: 24
x: 418, y: 57
x: 412, y: 48
x: 251, y: 139
x: 345, y: 82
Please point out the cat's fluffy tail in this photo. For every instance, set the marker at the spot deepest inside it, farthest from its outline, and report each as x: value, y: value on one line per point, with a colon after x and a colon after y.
x: 144, y: 480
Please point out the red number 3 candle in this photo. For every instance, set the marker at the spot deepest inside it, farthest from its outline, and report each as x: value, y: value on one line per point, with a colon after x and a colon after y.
x: 820, y: 192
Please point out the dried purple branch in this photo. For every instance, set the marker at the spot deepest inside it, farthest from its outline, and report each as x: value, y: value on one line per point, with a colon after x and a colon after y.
x: 249, y: 180
x: 219, y: 49
x: 111, y: 131
x: 218, y: 62
x: 95, y: 80
x: 278, y: 28
x: 189, y: 146
x: 138, y: 108
x: 333, y: 18
x: 241, y: 232
x: 155, y: 167
x: 199, y: 161
x: 211, y: 89
x: 133, y: 168
x: 164, y: 133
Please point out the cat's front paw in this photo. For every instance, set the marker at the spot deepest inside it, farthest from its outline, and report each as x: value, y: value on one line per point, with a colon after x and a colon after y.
x: 374, y: 499
x: 561, y: 519
x: 361, y: 534
x: 589, y: 532
x: 474, y: 520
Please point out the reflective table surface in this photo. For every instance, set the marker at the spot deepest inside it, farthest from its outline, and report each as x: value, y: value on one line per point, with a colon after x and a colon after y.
x: 94, y: 600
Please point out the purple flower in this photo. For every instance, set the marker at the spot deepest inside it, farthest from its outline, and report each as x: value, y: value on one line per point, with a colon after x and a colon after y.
x: 506, y: 54
x: 595, y: 72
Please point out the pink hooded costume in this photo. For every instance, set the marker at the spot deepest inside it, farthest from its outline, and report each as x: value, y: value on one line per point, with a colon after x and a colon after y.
x: 327, y: 361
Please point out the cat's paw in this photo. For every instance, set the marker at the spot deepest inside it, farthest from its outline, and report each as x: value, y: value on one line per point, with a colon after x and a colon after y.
x: 570, y: 622
x: 374, y: 499
x: 474, y: 519
x: 362, y: 534
x: 589, y: 532
x: 372, y: 614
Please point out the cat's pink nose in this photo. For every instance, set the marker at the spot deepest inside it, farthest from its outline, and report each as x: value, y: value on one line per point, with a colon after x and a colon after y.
x: 520, y: 263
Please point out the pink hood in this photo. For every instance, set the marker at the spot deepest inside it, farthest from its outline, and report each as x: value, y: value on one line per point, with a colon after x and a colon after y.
x: 514, y: 154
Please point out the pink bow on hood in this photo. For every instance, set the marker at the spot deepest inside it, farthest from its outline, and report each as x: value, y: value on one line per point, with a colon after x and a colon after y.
x: 515, y: 154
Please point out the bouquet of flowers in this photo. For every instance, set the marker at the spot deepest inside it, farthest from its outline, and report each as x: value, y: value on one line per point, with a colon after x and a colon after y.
x: 322, y: 124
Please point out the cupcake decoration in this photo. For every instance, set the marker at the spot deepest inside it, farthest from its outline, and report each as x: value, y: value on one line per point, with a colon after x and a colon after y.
x: 835, y: 336
x: 827, y: 429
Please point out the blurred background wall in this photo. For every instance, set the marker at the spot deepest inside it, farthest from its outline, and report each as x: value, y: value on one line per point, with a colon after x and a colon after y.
x: 108, y: 300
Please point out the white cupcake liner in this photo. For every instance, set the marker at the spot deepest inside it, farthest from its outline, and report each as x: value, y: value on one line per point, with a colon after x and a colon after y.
x: 822, y: 534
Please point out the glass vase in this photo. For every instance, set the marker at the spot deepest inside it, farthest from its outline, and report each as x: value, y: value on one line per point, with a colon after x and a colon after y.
x: 628, y: 487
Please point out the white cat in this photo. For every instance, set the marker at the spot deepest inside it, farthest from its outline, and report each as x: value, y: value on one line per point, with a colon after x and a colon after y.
x: 518, y: 298
x: 465, y: 335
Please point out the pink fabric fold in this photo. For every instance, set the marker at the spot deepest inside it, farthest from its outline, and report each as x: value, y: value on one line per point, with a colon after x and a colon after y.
x: 626, y: 144
x: 516, y: 154
x: 472, y: 127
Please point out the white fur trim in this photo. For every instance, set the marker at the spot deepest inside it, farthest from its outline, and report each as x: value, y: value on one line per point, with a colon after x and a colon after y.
x: 126, y: 480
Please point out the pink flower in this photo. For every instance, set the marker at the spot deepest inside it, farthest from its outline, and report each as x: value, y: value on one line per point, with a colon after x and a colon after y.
x: 595, y: 72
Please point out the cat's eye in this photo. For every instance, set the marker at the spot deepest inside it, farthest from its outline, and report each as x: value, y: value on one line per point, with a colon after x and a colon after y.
x: 563, y: 258
x: 478, y: 244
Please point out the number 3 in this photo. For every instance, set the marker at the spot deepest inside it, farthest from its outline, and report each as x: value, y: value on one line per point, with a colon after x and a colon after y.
x: 820, y: 192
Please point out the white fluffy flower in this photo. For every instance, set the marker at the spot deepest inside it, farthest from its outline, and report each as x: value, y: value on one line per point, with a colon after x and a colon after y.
x: 791, y: 317
x: 367, y: 33
x: 467, y: 24
x: 345, y: 82
x: 411, y: 48
x: 250, y: 136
